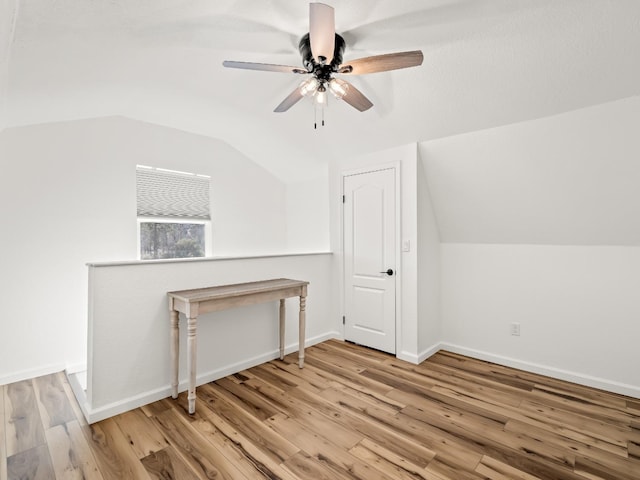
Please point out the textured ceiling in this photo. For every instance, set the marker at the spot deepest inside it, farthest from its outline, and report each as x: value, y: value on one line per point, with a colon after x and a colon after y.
x: 487, y: 63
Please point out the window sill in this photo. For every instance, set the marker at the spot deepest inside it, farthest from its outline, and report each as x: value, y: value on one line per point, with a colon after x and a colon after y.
x: 203, y: 259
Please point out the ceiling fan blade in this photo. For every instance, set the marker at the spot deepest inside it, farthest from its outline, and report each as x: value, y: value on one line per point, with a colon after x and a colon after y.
x: 356, y: 98
x: 383, y: 63
x: 293, y: 98
x: 265, y: 67
x: 322, y: 31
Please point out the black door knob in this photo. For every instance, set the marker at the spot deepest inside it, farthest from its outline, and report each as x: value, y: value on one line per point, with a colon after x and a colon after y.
x: 388, y: 272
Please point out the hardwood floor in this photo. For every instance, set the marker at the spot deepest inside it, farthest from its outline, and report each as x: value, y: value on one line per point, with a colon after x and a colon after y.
x: 351, y: 413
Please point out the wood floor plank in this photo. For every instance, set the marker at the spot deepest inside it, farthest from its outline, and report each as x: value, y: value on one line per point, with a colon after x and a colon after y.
x: 482, y: 370
x: 166, y: 464
x: 52, y: 400
x: 33, y: 464
x: 255, y: 451
x: 446, y: 471
x: 460, y: 448
x: 312, y: 412
x: 609, y: 469
x: 591, y: 397
x: 477, y: 405
x: 388, y: 462
x: 23, y: 426
x: 633, y: 406
x: 351, y: 413
x: 112, y: 451
x: 445, y: 377
x: 566, y: 402
x: 158, y: 407
x: 194, y: 449
x: 303, y: 466
x: 251, y: 466
x: 355, y: 358
x: 70, y: 453
x: 281, y: 374
x: 633, y: 447
x: 3, y: 442
x: 338, y: 380
x: 370, y: 355
x: 343, y: 375
x: 564, y: 443
x: 534, y: 418
x: 337, y: 460
x: 252, y: 402
x: 374, y: 398
x: 389, y: 379
x: 365, y: 419
x: 314, y: 379
x: 502, y: 445
x: 141, y: 433
x: 496, y: 470
x: 552, y: 414
x: 265, y: 438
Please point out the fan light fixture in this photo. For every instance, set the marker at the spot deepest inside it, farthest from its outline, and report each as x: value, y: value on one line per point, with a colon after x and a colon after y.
x: 312, y: 87
x: 321, y: 96
x: 338, y: 87
x: 309, y: 86
x: 321, y: 51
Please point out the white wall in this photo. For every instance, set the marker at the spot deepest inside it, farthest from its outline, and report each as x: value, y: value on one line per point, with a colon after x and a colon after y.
x: 428, y: 265
x: 67, y: 194
x: 129, y: 361
x: 577, y: 306
x: 8, y: 12
x: 540, y: 226
x: 308, y: 215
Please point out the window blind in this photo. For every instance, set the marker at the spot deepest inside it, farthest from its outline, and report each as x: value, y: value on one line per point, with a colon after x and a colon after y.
x: 162, y: 193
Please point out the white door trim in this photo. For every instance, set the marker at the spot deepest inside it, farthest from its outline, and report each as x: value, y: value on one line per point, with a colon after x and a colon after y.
x: 398, y: 253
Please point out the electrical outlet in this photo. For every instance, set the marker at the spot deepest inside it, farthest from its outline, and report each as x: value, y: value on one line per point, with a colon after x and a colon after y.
x: 515, y: 329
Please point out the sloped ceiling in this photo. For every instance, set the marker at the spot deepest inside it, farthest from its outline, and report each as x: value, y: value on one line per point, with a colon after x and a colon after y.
x: 487, y: 63
x: 570, y: 179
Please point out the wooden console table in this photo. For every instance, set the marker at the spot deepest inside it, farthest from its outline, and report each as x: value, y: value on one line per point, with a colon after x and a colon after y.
x: 211, y: 299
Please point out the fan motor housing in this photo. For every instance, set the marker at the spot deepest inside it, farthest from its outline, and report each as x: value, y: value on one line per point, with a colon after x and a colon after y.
x: 322, y: 71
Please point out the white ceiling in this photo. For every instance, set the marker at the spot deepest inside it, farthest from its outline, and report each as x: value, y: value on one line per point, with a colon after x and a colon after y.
x: 487, y: 63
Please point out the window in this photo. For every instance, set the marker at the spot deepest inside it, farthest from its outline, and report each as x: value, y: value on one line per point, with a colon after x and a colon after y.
x: 174, y: 219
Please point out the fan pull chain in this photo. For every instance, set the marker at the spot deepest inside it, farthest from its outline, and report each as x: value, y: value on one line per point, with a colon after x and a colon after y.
x: 315, y: 117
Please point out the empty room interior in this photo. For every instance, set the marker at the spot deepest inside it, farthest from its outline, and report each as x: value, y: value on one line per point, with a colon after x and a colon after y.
x: 291, y: 240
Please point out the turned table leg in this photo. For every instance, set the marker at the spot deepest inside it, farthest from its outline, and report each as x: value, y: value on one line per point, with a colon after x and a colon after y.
x: 282, y: 321
x: 301, y: 327
x: 192, y: 348
x: 175, y: 351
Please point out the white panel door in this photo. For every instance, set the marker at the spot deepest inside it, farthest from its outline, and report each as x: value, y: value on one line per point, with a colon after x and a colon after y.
x: 369, y: 259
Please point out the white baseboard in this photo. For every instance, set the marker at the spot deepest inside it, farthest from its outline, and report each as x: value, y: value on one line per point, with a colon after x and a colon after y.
x: 78, y: 382
x: 31, y: 373
x: 579, y: 378
x: 72, y: 368
x: 432, y: 350
x: 100, y: 413
x: 420, y: 357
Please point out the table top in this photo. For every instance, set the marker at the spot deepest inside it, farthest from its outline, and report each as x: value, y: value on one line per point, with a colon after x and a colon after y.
x: 235, y: 290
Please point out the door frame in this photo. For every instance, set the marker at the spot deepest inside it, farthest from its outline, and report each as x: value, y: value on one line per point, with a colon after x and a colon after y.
x: 395, y: 166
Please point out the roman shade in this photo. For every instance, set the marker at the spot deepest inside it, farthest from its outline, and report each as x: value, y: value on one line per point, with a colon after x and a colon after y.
x: 165, y: 193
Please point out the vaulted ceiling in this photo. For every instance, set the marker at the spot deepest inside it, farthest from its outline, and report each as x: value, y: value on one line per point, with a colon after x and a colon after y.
x: 487, y: 63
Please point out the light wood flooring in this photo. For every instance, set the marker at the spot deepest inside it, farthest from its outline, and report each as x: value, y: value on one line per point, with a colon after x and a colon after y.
x: 351, y: 413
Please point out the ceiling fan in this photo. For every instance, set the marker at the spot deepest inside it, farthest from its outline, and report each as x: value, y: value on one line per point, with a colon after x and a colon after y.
x: 322, y: 49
